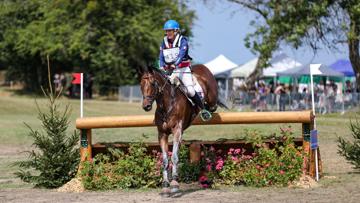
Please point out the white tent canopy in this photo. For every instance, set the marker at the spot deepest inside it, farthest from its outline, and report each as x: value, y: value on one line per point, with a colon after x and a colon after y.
x: 243, y: 71
x: 280, y: 63
x: 220, y: 65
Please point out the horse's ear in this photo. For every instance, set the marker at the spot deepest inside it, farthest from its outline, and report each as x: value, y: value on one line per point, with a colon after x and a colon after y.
x: 140, y: 72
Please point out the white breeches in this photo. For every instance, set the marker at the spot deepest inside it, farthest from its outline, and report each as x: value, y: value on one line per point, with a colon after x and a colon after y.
x: 184, y: 74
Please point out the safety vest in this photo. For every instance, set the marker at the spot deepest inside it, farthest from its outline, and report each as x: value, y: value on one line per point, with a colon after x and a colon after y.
x: 172, y: 53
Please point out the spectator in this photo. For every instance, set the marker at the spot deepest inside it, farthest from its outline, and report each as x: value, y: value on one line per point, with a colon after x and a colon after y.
x: 57, y: 84
x: 283, y: 97
x: 330, y: 95
x: 348, y: 94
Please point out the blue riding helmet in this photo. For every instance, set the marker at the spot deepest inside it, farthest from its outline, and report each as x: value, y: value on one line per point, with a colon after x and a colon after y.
x: 171, y: 25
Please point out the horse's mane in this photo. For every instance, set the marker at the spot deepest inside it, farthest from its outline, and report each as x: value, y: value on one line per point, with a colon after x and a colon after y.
x: 159, y: 72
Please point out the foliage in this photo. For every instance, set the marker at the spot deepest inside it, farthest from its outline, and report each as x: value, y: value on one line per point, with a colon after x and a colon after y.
x: 303, y: 22
x: 351, y: 149
x: 188, y: 172
x: 108, y: 39
x: 264, y: 167
x: 122, y: 170
x: 56, y: 157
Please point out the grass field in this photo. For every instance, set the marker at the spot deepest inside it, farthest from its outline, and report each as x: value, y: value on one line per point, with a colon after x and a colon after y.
x: 16, y: 110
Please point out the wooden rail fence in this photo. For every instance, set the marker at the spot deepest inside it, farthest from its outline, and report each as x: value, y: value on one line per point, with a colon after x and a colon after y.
x: 305, y: 118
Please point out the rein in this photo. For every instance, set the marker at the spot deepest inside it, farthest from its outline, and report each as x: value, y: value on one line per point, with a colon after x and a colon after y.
x: 159, y: 91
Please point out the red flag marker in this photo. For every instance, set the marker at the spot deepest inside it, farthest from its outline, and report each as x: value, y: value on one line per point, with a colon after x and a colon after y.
x: 76, y: 78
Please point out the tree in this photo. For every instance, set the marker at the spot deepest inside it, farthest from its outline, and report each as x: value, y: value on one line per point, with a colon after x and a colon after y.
x: 108, y: 39
x: 303, y: 22
x: 351, y: 149
x: 55, y: 159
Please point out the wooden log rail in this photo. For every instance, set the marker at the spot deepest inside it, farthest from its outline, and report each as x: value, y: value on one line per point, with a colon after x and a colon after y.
x: 306, y: 118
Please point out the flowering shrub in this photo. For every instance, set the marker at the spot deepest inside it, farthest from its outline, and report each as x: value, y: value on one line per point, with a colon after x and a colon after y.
x: 119, y: 170
x: 188, y: 172
x: 263, y: 166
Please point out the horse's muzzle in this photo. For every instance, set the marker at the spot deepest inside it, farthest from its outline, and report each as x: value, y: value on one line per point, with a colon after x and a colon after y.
x: 147, y: 107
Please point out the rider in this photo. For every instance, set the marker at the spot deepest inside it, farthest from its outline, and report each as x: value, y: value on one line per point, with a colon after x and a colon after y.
x: 175, y: 60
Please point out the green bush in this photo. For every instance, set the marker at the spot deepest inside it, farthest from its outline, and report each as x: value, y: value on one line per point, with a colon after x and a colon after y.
x: 264, y: 167
x: 134, y: 169
x: 188, y: 172
x: 56, y: 157
x: 351, y: 150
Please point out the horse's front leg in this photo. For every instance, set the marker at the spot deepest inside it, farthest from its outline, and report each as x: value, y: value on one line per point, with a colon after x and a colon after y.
x: 177, y: 132
x: 163, y: 140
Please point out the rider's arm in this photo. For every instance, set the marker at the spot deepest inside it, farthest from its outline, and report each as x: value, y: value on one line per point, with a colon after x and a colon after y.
x: 183, y: 50
x: 161, y: 56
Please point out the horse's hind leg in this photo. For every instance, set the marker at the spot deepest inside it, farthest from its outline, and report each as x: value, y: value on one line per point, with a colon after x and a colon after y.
x: 174, y: 185
x: 163, y: 140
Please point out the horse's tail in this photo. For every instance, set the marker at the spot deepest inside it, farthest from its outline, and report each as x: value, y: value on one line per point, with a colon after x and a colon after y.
x: 222, y: 103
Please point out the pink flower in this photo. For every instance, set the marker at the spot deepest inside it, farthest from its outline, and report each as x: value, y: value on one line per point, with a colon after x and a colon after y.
x: 258, y: 167
x: 231, y: 150
x: 281, y: 172
x: 202, y: 154
x: 208, y: 160
x: 220, y: 161
x: 208, y: 167
x: 234, y: 158
x: 204, y: 181
x: 212, y: 149
x: 219, y: 164
x: 203, y: 178
x: 237, y: 151
x: 205, y: 185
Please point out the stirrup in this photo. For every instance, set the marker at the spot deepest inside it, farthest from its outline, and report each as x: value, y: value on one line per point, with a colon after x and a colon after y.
x: 205, y: 115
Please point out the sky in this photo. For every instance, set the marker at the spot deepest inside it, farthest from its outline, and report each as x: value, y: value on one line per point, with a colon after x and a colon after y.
x: 220, y: 28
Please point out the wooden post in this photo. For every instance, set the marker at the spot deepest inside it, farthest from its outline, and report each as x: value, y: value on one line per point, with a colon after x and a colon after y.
x: 85, y: 145
x: 195, y: 152
x: 306, y: 146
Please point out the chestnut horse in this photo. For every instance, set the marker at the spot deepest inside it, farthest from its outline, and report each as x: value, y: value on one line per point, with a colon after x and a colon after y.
x: 174, y: 113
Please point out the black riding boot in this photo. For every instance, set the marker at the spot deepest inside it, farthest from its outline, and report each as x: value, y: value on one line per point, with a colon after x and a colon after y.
x: 196, y: 98
x: 204, y: 114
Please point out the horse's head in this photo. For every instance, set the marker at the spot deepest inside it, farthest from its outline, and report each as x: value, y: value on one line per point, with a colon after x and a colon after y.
x: 149, y: 88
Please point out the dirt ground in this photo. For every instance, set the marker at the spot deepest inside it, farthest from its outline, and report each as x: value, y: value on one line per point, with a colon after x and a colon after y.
x: 348, y: 192
x: 339, y: 184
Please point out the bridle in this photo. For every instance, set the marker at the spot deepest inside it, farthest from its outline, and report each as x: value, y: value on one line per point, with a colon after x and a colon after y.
x: 155, y: 84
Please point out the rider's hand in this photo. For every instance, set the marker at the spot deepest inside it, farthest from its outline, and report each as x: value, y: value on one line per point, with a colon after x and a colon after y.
x: 172, y: 67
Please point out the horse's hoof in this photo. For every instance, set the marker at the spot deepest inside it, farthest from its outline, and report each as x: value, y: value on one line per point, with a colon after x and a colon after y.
x: 165, y: 192
x: 175, y: 188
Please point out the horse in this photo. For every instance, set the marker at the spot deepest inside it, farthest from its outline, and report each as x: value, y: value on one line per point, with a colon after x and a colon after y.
x: 174, y: 113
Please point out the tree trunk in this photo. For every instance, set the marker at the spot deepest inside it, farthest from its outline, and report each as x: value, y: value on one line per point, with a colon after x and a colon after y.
x: 255, y: 75
x: 353, y: 43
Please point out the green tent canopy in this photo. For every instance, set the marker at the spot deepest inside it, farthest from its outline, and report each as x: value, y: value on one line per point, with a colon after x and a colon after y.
x: 285, y: 79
